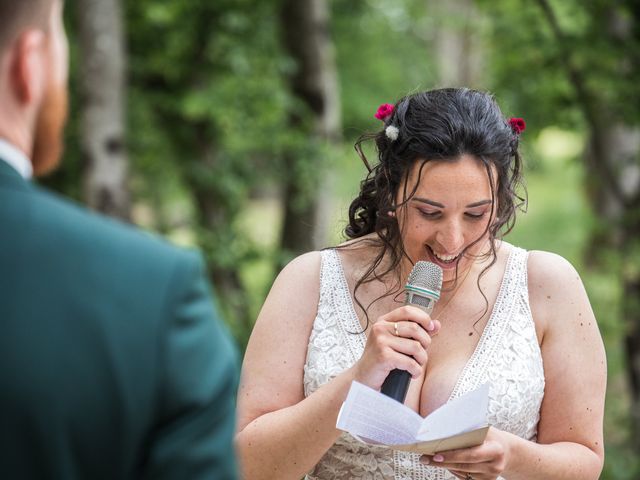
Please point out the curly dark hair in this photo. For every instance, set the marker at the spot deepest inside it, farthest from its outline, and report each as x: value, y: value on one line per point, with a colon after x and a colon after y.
x: 436, y: 125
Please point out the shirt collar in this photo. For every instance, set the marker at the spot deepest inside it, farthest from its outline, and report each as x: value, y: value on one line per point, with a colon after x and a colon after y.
x: 16, y: 158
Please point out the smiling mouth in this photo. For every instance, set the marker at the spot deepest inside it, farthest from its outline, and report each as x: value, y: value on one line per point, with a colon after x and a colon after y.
x: 446, y: 259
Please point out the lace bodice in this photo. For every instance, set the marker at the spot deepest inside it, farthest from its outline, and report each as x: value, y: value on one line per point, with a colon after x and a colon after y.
x: 507, y: 355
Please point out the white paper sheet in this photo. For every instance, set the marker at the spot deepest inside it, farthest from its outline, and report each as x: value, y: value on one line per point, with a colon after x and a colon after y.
x: 461, y: 414
x: 374, y: 417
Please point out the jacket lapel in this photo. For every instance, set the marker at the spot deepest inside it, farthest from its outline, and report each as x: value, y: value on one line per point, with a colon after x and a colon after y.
x: 9, y: 177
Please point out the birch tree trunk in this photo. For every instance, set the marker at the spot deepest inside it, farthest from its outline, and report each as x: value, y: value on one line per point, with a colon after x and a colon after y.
x: 102, y: 70
x: 305, y: 32
x: 457, y: 43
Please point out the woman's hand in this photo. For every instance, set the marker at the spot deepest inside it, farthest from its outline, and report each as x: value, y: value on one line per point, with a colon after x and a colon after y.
x: 484, y: 462
x: 399, y: 339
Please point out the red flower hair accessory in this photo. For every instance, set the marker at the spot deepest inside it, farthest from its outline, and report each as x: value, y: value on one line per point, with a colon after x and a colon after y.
x: 385, y: 110
x: 518, y: 125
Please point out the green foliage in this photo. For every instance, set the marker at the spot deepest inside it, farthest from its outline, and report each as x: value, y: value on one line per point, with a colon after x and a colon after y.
x: 382, y: 55
x: 526, y: 71
x: 529, y: 68
x: 210, y: 109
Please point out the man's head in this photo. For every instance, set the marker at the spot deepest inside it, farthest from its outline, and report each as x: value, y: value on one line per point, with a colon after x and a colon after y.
x: 33, y: 79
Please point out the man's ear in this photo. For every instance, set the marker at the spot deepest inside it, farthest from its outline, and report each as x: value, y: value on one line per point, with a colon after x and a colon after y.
x: 27, y: 65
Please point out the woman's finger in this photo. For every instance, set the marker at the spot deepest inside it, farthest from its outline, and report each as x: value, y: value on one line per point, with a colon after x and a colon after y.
x: 410, y: 330
x: 410, y: 347
x: 414, y: 314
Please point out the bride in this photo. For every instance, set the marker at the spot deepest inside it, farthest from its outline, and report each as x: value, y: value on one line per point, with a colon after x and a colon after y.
x: 444, y: 190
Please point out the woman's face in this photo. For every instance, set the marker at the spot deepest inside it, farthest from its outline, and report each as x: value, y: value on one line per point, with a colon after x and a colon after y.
x: 450, y: 210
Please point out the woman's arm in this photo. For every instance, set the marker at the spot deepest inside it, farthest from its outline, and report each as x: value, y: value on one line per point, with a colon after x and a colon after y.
x: 570, y: 437
x: 570, y: 431
x: 282, y: 434
x: 278, y: 437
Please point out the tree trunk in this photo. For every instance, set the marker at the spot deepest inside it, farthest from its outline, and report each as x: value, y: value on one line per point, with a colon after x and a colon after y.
x: 215, y: 220
x: 613, y: 167
x: 305, y: 32
x: 102, y: 65
x: 618, y: 207
x: 614, y: 162
x: 631, y: 315
x: 457, y: 45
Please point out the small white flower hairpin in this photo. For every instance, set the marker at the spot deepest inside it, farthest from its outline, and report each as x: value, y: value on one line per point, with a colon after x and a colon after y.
x: 392, y: 132
x: 385, y: 111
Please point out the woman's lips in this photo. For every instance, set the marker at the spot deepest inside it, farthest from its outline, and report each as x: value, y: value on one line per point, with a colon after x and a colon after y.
x: 441, y: 263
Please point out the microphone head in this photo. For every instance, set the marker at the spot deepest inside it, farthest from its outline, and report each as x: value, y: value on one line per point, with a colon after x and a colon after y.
x: 426, y: 278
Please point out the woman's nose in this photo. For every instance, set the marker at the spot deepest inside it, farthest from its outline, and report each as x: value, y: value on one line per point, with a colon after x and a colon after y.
x: 450, y: 237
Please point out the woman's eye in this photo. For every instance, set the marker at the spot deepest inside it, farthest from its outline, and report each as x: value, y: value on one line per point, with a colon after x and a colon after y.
x: 475, y: 216
x: 428, y: 214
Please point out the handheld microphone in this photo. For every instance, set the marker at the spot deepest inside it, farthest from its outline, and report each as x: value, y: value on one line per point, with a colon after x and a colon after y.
x: 423, y: 291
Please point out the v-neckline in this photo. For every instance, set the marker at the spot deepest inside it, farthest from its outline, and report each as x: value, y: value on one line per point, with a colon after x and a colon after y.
x: 502, y: 293
x: 500, y: 299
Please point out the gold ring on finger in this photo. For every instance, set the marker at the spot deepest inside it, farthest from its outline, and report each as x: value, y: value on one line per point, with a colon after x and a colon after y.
x: 395, y: 329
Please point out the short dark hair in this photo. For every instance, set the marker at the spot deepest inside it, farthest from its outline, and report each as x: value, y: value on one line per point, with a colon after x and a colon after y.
x: 440, y: 125
x: 17, y: 15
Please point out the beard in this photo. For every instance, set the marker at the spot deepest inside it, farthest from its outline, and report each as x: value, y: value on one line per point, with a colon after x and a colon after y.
x: 48, y: 142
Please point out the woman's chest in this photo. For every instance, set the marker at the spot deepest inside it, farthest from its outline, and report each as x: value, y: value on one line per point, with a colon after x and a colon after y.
x: 449, y: 355
x: 507, y: 356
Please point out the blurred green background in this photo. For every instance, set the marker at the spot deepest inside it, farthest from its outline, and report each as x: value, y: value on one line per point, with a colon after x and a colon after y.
x: 232, y: 122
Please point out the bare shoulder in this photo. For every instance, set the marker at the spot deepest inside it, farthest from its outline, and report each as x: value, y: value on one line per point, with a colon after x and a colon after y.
x: 549, y: 267
x: 295, y: 292
x: 303, y: 272
x: 557, y: 295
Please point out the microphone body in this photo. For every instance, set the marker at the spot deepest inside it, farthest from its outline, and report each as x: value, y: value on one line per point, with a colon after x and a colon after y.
x: 423, y: 291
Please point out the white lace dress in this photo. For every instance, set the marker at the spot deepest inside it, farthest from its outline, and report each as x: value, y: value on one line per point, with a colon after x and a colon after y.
x: 507, y: 355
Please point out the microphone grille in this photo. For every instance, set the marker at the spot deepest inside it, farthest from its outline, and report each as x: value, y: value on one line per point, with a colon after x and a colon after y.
x: 426, y: 275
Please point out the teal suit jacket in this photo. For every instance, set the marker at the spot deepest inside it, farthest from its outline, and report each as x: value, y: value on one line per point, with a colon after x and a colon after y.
x: 113, y: 363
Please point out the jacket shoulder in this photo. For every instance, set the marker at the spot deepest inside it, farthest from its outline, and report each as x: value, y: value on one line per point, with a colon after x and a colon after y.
x: 67, y: 226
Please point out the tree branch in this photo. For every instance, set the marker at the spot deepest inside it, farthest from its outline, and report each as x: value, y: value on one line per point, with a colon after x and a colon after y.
x: 596, y: 116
